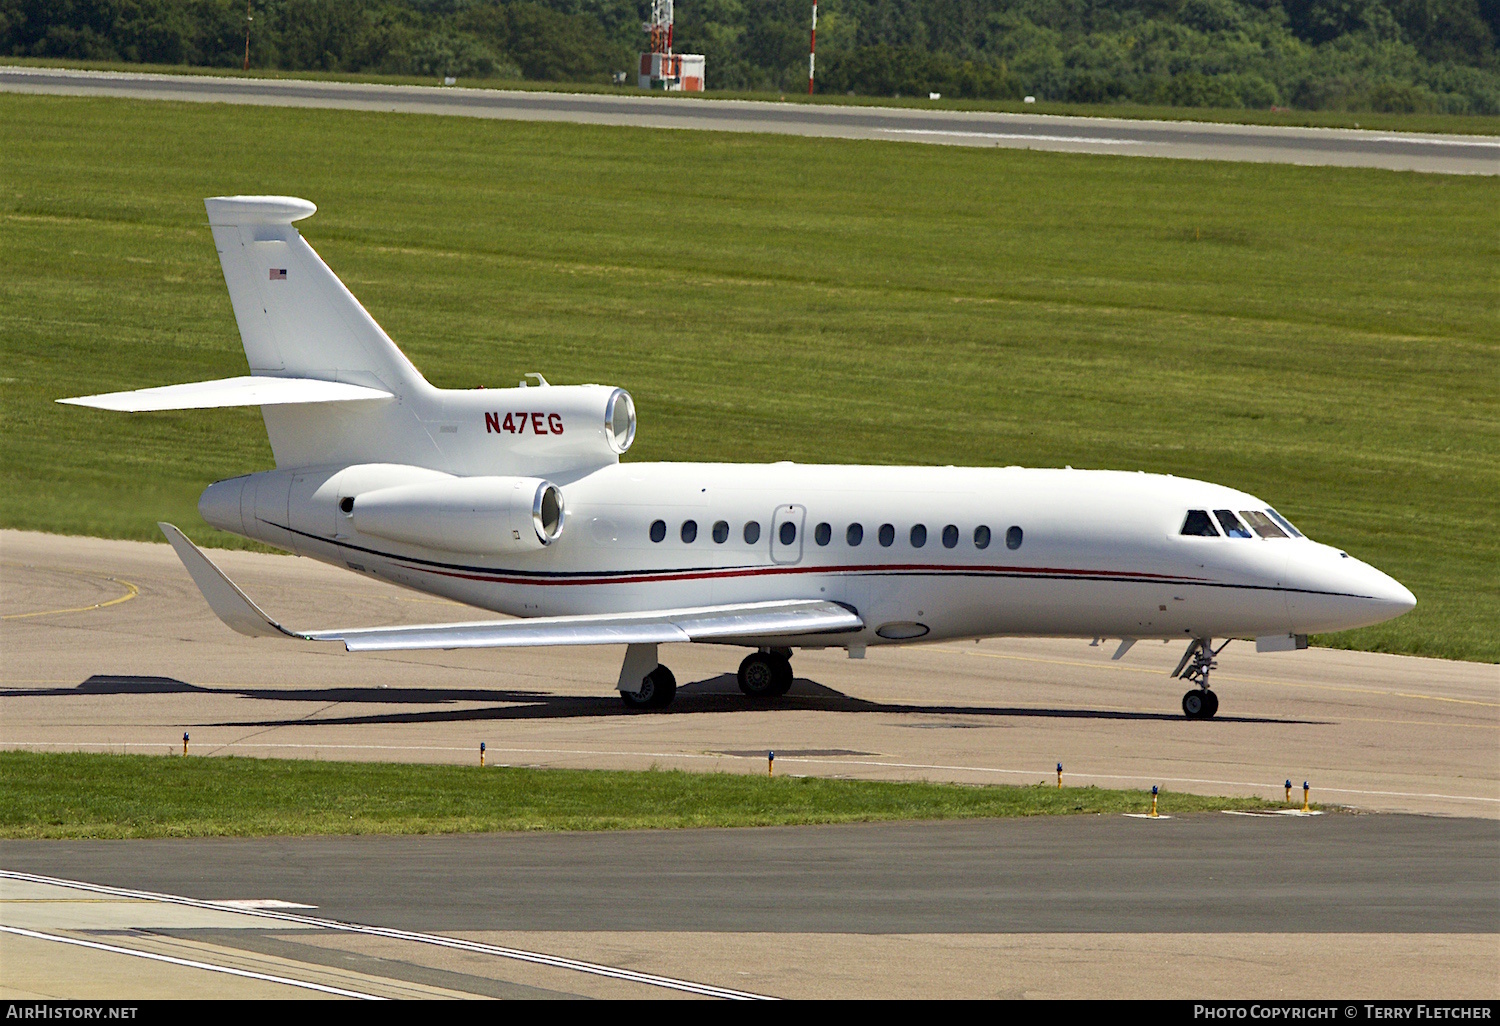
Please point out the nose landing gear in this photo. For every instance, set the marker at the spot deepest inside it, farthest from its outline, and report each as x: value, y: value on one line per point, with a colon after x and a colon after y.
x: 1196, y: 664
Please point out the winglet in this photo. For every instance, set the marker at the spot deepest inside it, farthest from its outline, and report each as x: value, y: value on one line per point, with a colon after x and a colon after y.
x: 224, y: 597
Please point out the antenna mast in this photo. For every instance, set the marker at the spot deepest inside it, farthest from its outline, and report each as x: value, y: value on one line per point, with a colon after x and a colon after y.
x: 659, y: 28
x: 812, y: 50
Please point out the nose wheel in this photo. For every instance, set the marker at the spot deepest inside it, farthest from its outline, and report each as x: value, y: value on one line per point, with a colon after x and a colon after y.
x: 658, y: 688
x: 765, y: 675
x: 1200, y: 704
x: 1196, y: 664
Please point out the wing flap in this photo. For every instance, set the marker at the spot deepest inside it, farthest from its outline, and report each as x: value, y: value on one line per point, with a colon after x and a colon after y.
x: 745, y: 622
x: 241, y: 391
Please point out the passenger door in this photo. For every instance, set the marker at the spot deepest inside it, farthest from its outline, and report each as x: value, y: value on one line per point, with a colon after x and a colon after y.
x: 786, y: 534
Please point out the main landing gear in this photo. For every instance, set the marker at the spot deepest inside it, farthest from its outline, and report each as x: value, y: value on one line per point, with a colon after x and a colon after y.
x: 1196, y: 664
x: 766, y: 674
x: 658, y: 688
x: 763, y: 675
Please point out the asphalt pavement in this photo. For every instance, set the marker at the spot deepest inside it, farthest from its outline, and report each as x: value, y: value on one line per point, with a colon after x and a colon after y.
x: 1201, y: 874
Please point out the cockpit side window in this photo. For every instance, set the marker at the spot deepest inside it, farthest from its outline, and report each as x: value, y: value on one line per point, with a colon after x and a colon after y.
x: 1262, y: 524
x: 1231, y: 524
x: 1198, y: 523
x: 1286, y: 524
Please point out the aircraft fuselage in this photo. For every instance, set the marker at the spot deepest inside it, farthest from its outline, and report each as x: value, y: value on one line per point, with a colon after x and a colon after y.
x: 919, y: 552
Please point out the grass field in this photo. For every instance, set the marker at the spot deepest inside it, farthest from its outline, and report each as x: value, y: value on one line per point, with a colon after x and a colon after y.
x: 120, y: 796
x: 1323, y: 337
x: 1459, y: 124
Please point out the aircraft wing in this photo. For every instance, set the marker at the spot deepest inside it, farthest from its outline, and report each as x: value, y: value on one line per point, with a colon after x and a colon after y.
x: 746, y: 622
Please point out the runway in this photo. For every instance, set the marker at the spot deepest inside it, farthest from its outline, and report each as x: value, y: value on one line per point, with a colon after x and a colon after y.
x: 108, y: 646
x: 1398, y: 151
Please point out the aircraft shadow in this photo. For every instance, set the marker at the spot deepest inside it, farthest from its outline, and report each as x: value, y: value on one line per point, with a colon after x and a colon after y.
x: 712, y: 695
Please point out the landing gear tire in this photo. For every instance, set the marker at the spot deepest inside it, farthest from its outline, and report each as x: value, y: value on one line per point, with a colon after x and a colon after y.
x: 783, y: 674
x: 765, y: 675
x: 1200, y: 704
x: 657, y: 691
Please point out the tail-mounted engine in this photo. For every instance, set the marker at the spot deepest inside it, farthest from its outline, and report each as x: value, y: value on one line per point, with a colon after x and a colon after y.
x: 546, y: 430
x: 464, y: 514
x: 297, y: 510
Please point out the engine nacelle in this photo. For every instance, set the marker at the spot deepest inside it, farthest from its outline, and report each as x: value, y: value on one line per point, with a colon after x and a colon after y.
x: 537, y: 431
x: 464, y: 514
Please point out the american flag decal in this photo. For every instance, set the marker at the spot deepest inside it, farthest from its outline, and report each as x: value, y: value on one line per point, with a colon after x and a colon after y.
x: 278, y: 274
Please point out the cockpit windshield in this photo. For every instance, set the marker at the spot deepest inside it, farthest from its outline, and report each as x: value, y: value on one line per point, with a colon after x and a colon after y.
x: 1231, y: 524
x: 1198, y: 523
x: 1261, y: 524
x: 1284, y: 522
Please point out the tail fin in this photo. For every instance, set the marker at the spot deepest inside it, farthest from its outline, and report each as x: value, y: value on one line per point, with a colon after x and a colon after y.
x: 296, y: 318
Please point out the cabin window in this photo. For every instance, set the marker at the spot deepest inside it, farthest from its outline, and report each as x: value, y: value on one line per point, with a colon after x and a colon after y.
x: 950, y: 536
x: 1262, y: 524
x: 887, y: 534
x: 1199, y: 524
x: 788, y: 532
x: 690, y: 531
x: 721, y: 532
x: 1013, y: 538
x: 752, y: 532
x: 981, y: 537
x: 822, y: 533
x: 855, y: 534
x: 1231, y: 524
x: 918, y: 535
x: 658, y: 530
x: 1286, y: 524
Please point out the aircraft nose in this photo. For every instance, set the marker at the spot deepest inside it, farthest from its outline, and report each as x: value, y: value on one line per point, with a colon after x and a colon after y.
x: 1377, y: 595
x: 1333, y: 591
x: 1393, y: 597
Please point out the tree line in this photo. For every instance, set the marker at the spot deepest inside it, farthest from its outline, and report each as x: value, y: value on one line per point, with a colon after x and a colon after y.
x: 1391, y: 55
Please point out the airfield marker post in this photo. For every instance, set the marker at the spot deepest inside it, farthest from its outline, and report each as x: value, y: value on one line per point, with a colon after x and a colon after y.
x: 1305, y: 789
x: 1059, y: 776
x: 184, y: 742
x: 481, y: 755
x: 1289, y: 791
x: 1153, y: 802
x: 770, y: 763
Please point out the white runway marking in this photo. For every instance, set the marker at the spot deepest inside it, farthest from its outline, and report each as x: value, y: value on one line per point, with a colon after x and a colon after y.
x: 1439, y: 142
x: 188, y: 962
x: 437, y: 940
x: 1039, y: 772
x: 1098, y: 140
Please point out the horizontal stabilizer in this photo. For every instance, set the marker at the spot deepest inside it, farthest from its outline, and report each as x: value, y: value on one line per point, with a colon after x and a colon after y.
x: 746, y: 622
x: 243, y: 391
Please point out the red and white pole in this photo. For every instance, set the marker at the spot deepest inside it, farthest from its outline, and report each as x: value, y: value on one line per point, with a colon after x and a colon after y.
x: 812, y: 50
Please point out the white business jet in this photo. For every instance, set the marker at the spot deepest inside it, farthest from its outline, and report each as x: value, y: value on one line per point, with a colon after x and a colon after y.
x: 515, y: 500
